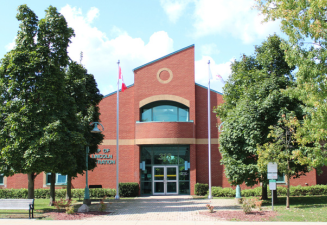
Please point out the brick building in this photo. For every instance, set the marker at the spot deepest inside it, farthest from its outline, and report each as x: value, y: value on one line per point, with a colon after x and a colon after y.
x: 163, y: 128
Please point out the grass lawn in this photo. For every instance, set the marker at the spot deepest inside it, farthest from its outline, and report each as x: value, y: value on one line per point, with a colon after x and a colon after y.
x: 302, y: 209
x: 41, y: 206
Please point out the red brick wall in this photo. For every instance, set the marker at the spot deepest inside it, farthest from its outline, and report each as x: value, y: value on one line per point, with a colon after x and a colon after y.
x: 164, y: 130
x: 182, y: 66
x: 108, y: 108
x: 217, y: 177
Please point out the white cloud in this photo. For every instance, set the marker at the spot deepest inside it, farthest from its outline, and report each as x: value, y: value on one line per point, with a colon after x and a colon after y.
x: 201, y: 72
x: 100, y: 54
x: 174, y: 8
x: 209, y: 49
x: 11, y: 45
x: 231, y: 17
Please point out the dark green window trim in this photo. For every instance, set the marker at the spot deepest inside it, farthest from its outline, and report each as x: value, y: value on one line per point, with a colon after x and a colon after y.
x: 1, y: 179
x: 281, y: 179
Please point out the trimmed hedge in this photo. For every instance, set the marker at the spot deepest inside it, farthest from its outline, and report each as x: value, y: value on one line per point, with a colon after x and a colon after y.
x: 201, y: 189
x: 60, y: 193
x: 129, y: 189
x: 281, y: 191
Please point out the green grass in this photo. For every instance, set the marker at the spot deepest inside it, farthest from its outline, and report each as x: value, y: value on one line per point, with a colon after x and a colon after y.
x: 41, y: 206
x: 302, y: 209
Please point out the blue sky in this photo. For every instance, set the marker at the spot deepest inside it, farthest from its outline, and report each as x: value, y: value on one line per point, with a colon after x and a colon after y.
x: 139, y: 31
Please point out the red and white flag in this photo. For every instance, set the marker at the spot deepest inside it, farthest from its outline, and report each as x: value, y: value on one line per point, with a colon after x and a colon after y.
x: 219, y: 78
x: 123, y: 85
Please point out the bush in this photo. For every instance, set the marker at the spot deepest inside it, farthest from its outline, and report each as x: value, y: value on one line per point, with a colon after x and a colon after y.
x: 201, y: 189
x: 60, y: 193
x: 223, y: 192
x: 252, y: 192
x: 128, y: 189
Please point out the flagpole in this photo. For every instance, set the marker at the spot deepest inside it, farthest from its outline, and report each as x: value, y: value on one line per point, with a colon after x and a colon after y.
x: 117, y: 139
x: 209, y: 132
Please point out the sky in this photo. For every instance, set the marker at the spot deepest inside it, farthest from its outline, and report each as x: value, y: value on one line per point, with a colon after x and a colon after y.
x: 136, y: 32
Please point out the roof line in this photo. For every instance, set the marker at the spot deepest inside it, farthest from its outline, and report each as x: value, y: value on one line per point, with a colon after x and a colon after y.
x: 210, y: 89
x: 163, y: 57
x: 114, y: 92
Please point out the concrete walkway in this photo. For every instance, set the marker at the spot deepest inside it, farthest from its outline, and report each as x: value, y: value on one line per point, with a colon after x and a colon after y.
x: 164, y: 208
x: 155, y: 210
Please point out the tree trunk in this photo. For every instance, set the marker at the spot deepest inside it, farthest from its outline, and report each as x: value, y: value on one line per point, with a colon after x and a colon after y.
x: 288, y: 186
x: 69, y: 188
x: 30, y: 178
x: 52, y: 189
x: 264, y: 194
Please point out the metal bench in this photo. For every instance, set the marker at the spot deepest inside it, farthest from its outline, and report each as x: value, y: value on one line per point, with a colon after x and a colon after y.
x: 27, y: 204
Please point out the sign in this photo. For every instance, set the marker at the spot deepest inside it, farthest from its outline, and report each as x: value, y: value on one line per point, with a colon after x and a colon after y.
x: 106, y: 159
x: 272, y: 185
x: 272, y: 176
x: 272, y: 171
x: 272, y: 167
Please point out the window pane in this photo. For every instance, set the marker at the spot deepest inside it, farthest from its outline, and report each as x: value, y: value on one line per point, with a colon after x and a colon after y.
x: 1, y: 179
x: 61, y: 179
x: 184, y: 188
x: 165, y: 113
x: 183, y: 114
x: 146, y: 188
x: 281, y: 178
x: 146, y: 115
x: 48, y: 178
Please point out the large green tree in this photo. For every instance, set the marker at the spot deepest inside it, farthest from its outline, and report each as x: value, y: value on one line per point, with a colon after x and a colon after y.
x: 305, y: 23
x: 253, y: 101
x: 82, y: 87
x: 45, y: 120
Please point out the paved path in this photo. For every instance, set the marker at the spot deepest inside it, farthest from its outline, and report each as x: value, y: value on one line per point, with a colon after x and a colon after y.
x: 163, y: 208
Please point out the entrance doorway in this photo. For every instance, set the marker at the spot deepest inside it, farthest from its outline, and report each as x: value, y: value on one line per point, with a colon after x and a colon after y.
x: 165, y: 180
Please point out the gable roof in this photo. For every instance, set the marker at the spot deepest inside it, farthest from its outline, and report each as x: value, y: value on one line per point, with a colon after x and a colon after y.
x: 190, y: 46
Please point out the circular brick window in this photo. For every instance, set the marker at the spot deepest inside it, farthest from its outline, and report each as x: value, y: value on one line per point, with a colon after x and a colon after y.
x: 164, y: 75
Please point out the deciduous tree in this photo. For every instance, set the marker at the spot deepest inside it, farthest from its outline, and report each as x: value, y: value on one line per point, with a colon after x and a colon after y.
x: 253, y: 102
x: 305, y: 24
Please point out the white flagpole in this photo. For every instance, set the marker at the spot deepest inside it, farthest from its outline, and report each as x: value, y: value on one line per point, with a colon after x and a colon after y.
x: 209, y: 132
x: 117, y: 139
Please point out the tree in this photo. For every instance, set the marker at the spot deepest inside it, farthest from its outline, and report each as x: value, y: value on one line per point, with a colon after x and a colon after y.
x: 305, y: 24
x: 82, y: 87
x: 284, y: 150
x: 253, y: 101
x: 44, y: 125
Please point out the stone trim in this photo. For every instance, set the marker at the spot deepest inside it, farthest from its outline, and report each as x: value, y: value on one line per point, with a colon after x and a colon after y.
x: 165, y: 98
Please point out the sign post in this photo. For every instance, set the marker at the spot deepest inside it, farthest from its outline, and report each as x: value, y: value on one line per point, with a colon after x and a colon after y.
x: 272, y: 175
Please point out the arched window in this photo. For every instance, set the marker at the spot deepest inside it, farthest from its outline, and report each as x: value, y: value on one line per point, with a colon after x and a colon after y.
x: 164, y: 111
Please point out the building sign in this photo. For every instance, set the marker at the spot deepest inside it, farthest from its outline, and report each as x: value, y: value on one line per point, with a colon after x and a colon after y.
x: 103, y: 157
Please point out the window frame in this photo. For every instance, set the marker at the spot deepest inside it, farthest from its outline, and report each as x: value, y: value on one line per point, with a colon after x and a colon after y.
x: 151, y: 106
x: 57, y: 183
x: 281, y: 181
x: 3, y: 179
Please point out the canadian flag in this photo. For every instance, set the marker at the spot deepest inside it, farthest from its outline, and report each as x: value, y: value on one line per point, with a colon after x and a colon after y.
x: 123, y: 85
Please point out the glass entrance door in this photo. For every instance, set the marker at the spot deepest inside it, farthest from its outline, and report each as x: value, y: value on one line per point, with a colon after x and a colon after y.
x: 165, y: 180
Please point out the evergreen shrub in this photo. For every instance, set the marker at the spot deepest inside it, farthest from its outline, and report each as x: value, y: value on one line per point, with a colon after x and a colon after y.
x: 201, y: 189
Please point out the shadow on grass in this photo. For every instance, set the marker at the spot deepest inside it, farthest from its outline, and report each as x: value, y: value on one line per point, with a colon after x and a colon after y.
x: 301, y: 201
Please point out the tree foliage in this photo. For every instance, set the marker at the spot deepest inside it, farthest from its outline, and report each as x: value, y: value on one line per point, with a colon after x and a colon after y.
x: 47, y: 101
x: 253, y: 101
x: 283, y: 150
x: 305, y: 24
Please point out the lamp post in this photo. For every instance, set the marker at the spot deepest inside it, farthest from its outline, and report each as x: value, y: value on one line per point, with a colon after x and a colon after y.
x: 87, y: 199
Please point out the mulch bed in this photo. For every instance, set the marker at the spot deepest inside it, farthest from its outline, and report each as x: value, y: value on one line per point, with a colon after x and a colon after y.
x: 241, y: 216
x: 74, y: 216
